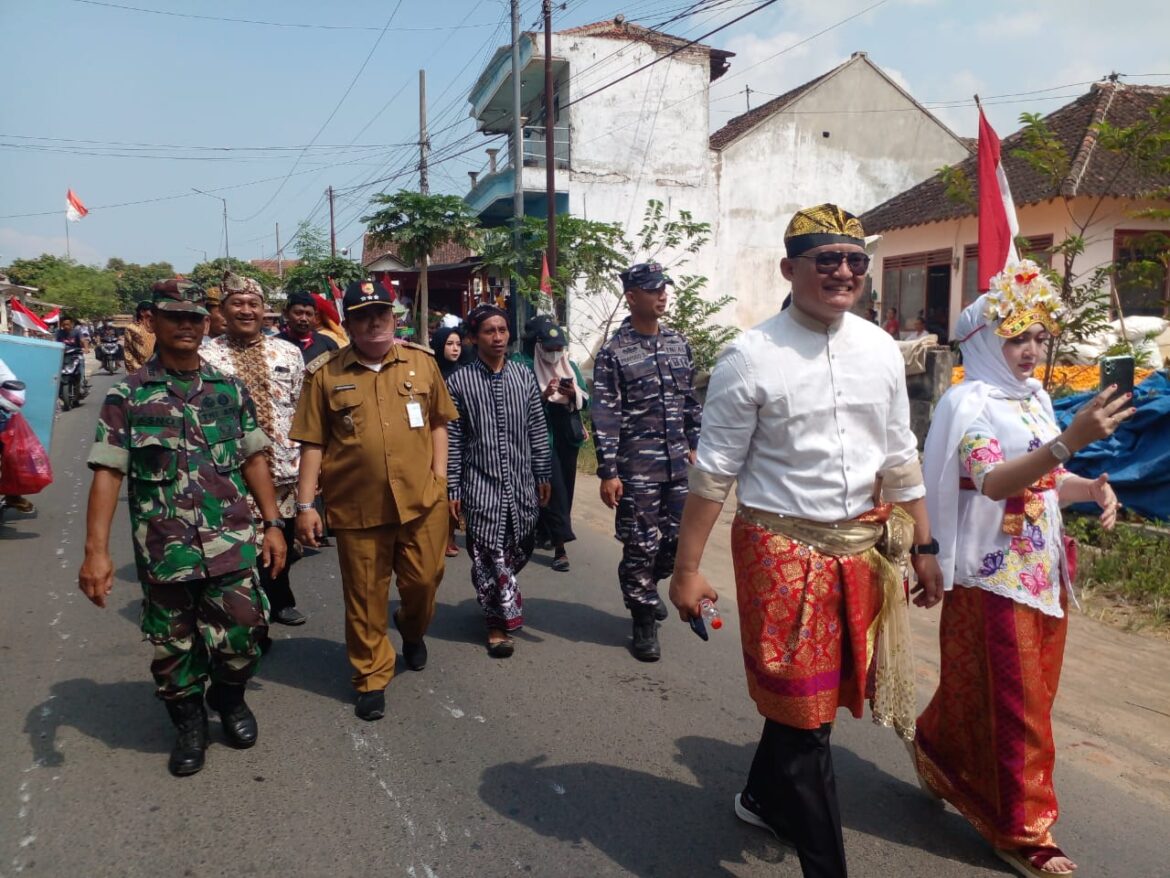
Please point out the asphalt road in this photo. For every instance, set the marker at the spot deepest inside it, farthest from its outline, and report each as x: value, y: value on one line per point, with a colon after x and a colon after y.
x: 570, y: 759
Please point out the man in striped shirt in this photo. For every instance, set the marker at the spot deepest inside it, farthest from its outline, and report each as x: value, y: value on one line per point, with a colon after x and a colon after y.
x: 499, y: 471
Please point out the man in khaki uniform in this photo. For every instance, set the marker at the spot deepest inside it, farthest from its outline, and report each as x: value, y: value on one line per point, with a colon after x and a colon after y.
x: 372, y: 420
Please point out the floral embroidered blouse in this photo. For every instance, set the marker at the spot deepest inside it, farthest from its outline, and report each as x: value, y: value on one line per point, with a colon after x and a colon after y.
x: 1014, y: 547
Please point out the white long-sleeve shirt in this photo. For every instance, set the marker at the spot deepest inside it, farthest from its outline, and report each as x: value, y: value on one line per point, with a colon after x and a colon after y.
x: 805, y: 418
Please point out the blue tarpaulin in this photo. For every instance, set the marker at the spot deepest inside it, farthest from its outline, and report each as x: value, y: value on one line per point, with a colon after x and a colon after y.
x: 1137, y: 456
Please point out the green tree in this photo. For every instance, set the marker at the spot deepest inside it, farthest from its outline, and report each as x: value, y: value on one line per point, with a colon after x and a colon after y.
x: 309, y: 243
x: 30, y: 272
x: 694, y: 316
x: 313, y: 277
x: 420, y: 224
x: 210, y: 274
x: 133, y: 281
x: 83, y: 291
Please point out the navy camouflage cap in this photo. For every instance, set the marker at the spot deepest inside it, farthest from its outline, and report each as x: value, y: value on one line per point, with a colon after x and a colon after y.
x: 179, y: 294
x: 644, y: 276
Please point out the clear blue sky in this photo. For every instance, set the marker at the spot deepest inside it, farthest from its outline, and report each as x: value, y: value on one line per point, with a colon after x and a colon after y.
x: 130, y: 81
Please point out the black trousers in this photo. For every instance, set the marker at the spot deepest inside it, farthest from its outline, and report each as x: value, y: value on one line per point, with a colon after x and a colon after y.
x: 792, y: 781
x: 556, y: 519
x: 279, y: 589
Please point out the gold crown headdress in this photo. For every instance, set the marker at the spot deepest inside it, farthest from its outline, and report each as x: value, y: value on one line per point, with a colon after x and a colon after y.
x: 1021, y: 295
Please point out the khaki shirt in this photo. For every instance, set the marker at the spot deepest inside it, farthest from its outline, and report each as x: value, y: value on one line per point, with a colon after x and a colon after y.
x: 376, y: 468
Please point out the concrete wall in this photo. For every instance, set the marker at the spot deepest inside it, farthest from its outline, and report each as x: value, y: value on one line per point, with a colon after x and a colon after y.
x: 1050, y: 218
x: 644, y: 138
x: 879, y: 143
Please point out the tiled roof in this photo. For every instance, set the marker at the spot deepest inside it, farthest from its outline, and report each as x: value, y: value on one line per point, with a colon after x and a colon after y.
x: 1092, y: 172
x: 624, y: 30
x: 446, y: 254
x: 269, y: 265
x: 746, y: 121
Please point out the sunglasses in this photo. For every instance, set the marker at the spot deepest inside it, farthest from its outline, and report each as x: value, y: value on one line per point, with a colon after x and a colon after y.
x: 829, y: 261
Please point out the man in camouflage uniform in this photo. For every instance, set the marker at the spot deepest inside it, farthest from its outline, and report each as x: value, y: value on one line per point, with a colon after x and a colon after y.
x: 187, y: 437
x: 646, y: 427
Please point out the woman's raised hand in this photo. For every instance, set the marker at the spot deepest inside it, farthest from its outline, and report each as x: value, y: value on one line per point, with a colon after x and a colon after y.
x: 1098, y: 419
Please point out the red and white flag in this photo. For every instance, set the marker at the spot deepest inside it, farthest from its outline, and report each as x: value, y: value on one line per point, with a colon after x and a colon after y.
x: 998, y: 225
x: 545, y: 278
x: 74, y: 209
x: 388, y: 286
x: 53, y: 316
x: 27, y: 319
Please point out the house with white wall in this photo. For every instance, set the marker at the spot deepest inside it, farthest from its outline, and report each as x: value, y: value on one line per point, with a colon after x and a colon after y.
x: 928, y: 256
x: 852, y: 136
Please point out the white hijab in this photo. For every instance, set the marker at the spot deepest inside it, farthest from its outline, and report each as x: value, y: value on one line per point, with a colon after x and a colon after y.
x: 986, y: 376
x: 552, y: 366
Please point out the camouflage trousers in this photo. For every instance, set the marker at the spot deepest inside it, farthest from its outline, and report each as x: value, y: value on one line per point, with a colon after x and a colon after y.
x: 205, y: 628
x: 647, y: 522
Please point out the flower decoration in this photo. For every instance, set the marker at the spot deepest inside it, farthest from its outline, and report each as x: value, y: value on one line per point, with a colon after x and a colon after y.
x: 1021, y: 295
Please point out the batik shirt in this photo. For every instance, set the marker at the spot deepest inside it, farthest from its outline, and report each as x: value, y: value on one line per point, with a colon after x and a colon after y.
x: 1015, y: 550
x: 182, y: 441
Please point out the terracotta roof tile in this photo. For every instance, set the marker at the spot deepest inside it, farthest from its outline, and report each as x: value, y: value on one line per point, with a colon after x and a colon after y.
x: 446, y: 254
x: 1093, y: 171
x: 269, y: 265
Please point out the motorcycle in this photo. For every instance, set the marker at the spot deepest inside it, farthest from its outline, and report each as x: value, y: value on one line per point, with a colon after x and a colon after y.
x: 110, y: 354
x: 74, y: 385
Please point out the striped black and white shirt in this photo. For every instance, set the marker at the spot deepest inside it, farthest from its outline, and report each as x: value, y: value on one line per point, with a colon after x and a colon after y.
x: 498, y: 450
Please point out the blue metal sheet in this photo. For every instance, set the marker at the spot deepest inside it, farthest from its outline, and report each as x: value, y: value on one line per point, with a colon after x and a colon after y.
x: 38, y: 364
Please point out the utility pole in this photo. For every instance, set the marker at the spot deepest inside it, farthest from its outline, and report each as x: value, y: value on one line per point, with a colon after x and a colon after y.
x: 517, y: 131
x: 332, y: 229
x: 226, y: 249
x: 422, y: 294
x: 549, y: 144
x: 279, y: 261
x: 423, y: 146
x: 747, y: 91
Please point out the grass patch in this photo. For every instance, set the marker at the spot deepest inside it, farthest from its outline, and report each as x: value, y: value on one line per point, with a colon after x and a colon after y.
x: 1130, y: 563
x: 587, y: 456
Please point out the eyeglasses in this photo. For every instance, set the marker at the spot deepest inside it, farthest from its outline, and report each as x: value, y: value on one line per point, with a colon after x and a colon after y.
x: 830, y: 260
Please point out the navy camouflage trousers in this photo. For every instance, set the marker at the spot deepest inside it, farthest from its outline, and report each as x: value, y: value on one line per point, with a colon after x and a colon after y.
x: 647, y: 522
x: 205, y: 628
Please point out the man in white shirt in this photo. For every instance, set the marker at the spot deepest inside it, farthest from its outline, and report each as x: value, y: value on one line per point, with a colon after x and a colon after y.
x: 808, y: 412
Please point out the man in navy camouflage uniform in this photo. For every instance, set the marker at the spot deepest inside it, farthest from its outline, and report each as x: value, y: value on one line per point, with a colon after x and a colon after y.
x: 187, y: 437
x: 646, y: 421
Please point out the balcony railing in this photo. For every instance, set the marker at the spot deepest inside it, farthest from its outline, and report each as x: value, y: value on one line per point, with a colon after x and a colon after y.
x: 534, y: 151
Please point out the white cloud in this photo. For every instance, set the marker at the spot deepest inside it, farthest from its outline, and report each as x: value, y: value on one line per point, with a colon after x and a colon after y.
x: 20, y: 245
x: 1011, y: 26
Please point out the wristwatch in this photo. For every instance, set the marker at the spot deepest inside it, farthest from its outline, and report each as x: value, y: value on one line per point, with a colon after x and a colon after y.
x: 304, y: 507
x: 1059, y: 450
x: 930, y: 548
x: 273, y: 522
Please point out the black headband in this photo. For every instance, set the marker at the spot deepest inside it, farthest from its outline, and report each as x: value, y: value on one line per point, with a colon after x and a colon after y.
x: 480, y: 313
x: 798, y: 244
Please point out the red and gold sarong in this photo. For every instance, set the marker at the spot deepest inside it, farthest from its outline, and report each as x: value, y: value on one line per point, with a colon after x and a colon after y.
x: 985, y: 741
x: 808, y: 621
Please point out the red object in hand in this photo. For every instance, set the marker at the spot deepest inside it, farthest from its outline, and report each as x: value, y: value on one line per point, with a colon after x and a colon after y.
x: 710, y: 614
x: 24, y: 464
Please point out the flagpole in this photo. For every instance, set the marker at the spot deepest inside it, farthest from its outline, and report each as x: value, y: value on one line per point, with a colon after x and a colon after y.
x: 68, y: 254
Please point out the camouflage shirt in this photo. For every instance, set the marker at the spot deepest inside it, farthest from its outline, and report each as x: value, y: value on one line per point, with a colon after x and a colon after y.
x: 646, y: 416
x: 182, y: 441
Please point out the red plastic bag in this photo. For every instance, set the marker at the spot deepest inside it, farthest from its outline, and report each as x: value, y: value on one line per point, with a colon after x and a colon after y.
x: 24, y: 463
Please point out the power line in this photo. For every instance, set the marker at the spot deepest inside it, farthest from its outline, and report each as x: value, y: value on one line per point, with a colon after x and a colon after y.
x: 324, y: 124
x: 285, y: 24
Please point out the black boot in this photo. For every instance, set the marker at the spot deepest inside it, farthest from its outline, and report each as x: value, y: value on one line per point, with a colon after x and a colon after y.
x: 190, y: 718
x: 645, y: 646
x: 661, y: 611
x: 239, y: 723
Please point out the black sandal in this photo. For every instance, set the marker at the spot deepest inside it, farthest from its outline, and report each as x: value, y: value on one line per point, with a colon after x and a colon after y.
x: 501, y: 648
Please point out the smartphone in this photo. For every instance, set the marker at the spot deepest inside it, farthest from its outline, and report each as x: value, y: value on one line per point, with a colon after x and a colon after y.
x: 699, y: 627
x: 566, y: 384
x: 1119, y: 371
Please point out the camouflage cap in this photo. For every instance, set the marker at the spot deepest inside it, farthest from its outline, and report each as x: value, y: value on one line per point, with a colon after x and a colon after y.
x: 178, y: 294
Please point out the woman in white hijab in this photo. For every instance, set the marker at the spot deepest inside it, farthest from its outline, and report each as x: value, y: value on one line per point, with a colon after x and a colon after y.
x: 995, y: 483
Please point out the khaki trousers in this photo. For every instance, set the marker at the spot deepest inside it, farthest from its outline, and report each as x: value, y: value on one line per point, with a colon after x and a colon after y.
x: 369, y: 557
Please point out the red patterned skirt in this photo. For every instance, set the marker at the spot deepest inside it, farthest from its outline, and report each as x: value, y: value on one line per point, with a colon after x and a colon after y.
x: 807, y: 624
x: 985, y: 741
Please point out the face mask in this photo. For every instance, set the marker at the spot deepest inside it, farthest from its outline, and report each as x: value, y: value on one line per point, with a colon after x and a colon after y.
x: 550, y: 358
x: 375, y: 344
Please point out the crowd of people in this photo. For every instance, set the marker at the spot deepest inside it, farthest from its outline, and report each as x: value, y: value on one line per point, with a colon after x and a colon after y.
x: 238, y: 446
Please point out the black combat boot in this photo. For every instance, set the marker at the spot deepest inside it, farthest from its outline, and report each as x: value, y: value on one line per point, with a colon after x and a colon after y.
x: 239, y: 723
x: 190, y: 718
x: 645, y: 646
